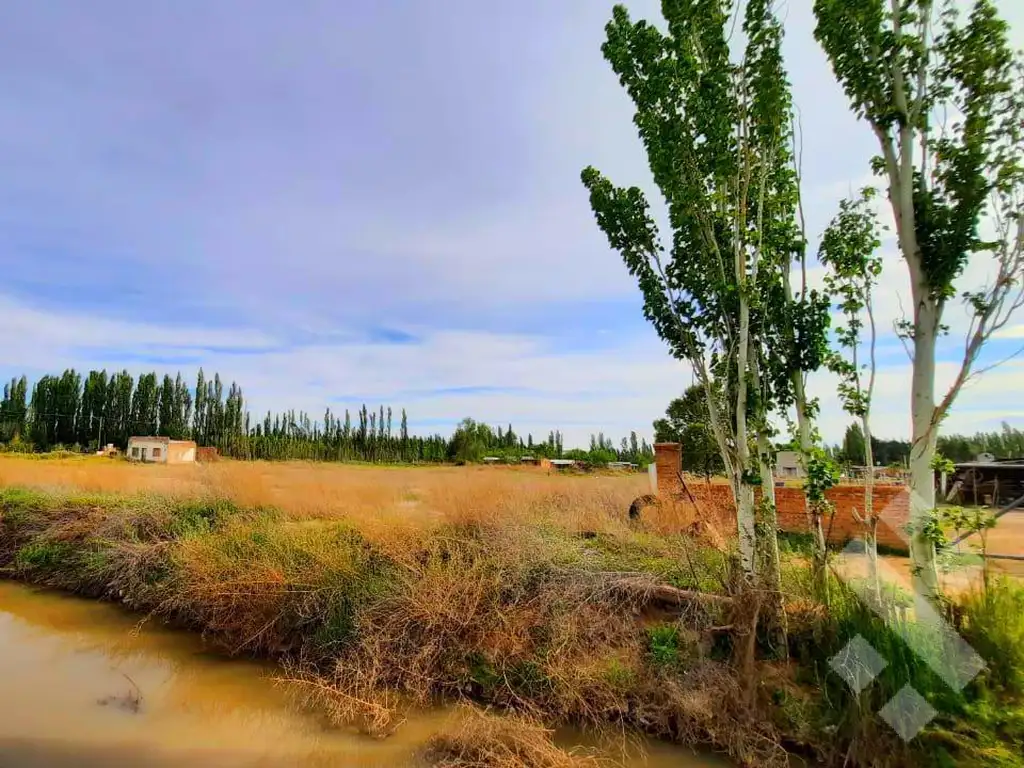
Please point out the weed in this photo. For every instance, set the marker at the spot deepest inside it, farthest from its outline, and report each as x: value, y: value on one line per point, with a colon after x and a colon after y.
x: 483, y: 740
x: 663, y: 645
x: 993, y: 623
x: 42, y: 555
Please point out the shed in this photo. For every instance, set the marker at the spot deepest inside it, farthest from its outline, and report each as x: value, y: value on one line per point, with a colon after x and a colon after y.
x: 788, y: 464
x: 988, y: 482
x: 161, y: 450
x: 563, y: 463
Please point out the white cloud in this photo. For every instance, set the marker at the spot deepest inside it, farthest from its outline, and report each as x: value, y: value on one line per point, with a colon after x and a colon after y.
x: 494, y: 377
x: 498, y: 378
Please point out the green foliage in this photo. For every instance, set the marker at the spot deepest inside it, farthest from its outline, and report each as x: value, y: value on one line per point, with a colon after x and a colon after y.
x: 687, y: 422
x: 796, y: 543
x: 940, y: 463
x: 981, y: 725
x: 881, y: 58
x: 43, y: 555
x: 1007, y: 443
x: 993, y: 625
x: 822, y: 474
x: 854, y: 444
x: 718, y: 136
x: 192, y: 518
x: 849, y: 251
x: 470, y: 441
x: 663, y: 645
x: 64, y: 411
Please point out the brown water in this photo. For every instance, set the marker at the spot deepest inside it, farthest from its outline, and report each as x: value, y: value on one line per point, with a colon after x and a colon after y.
x: 82, y: 684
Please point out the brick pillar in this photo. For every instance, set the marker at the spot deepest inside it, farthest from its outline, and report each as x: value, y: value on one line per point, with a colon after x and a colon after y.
x: 668, y: 458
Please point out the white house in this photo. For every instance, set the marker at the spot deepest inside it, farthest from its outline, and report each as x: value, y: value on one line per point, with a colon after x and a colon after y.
x: 161, y: 450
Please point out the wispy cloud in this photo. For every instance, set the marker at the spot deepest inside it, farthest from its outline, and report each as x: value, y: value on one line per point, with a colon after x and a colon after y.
x: 278, y: 196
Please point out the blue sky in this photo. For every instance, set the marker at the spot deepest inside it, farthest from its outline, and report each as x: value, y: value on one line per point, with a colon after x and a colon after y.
x: 378, y: 200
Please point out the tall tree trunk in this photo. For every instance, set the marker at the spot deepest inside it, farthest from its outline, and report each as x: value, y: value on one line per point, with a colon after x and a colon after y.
x: 745, y: 513
x: 870, y: 518
x: 922, y: 449
x: 772, y: 569
x: 814, y: 511
x: 745, y: 521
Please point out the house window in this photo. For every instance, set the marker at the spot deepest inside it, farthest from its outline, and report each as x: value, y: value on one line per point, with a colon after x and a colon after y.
x: 156, y: 453
x: 135, y: 452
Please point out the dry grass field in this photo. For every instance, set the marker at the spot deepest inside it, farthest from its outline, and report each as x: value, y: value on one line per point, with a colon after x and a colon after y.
x: 402, y: 496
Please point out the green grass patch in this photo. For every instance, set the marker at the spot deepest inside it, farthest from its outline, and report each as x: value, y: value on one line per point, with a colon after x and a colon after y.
x: 663, y: 645
x: 43, y: 555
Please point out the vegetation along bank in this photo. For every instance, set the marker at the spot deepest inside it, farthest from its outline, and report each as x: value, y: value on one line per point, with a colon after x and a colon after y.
x: 507, y: 604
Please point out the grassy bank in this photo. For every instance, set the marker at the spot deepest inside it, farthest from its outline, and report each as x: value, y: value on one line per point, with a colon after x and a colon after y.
x: 515, y: 608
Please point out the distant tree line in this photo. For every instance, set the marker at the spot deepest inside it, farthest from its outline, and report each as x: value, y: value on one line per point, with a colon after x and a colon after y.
x: 76, y: 413
x: 1006, y: 443
x: 686, y: 422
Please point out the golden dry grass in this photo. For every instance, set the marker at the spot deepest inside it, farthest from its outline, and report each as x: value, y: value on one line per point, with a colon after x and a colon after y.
x: 483, y: 740
x: 403, y: 496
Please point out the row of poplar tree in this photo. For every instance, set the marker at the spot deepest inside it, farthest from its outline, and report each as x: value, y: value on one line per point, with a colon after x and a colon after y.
x: 69, y: 411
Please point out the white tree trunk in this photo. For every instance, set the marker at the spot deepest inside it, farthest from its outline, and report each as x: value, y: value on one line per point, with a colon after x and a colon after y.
x: 803, y: 422
x: 870, y: 518
x: 745, y: 523
x: 922, y: 449
x: 770, y: 519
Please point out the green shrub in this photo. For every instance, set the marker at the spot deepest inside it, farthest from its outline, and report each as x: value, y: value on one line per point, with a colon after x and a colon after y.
x: 198, y: 517
x: 43, y: 555
x: 663, y: 645
x: 993, y: 624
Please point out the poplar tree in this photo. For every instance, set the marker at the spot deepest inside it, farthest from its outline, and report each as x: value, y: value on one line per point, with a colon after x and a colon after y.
x: 944, y: 97
x: 717, y: 136
x: 849, y: 252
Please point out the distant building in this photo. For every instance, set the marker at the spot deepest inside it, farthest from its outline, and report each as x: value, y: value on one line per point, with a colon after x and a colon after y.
x: 563, y: 463
x: 531, y: 460
x: 161, y: 450
x: 491, y: 459
x: 621, y: 465
x: 788, y: 465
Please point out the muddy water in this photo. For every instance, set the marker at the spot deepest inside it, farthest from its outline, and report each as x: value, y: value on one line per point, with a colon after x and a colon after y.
x: 81, y: 684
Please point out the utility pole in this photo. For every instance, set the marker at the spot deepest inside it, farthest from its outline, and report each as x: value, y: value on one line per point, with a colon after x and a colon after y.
x: 99, y: 436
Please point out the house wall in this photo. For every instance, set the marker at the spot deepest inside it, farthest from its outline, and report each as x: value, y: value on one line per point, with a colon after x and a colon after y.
x: 181, y: 452
x: 892, y: 501
x: 149, y: 445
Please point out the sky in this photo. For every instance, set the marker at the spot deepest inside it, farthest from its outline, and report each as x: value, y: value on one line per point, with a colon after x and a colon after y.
x: 373, y: 201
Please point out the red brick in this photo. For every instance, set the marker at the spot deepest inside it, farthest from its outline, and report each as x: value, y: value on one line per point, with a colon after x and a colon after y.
x: 791, y: 502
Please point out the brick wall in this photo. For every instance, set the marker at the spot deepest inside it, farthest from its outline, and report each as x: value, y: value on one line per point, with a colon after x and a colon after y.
x: 891, y: 501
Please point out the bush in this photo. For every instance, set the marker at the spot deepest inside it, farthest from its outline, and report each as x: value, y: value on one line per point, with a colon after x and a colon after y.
x: 42, y: 555
x: 663, y: 645
x: 993, y: 624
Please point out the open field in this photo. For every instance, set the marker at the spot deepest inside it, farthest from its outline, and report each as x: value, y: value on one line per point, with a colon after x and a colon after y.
x: 371, y: 497
x: 381, y: 589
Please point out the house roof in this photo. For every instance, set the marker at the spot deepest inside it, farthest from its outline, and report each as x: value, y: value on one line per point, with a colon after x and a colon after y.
x: 160, y: 439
